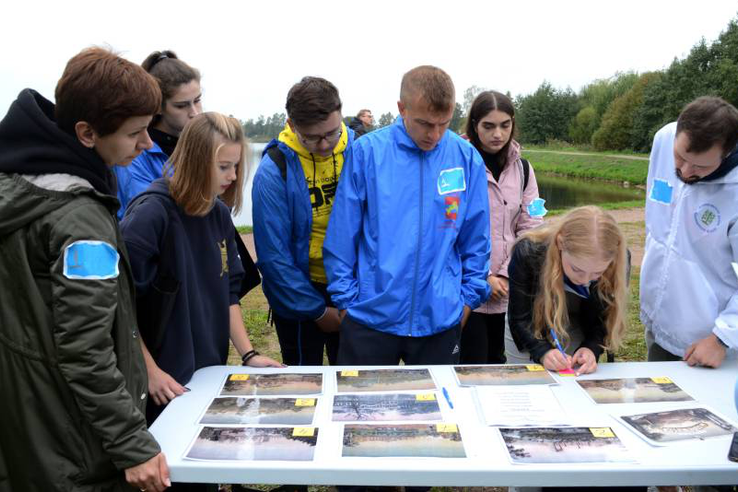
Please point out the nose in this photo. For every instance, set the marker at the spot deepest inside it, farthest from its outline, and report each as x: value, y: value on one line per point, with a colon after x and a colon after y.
x: 436, y: 133
x: 144, y: 142
x: 195, y: 109
x: 232, y: 175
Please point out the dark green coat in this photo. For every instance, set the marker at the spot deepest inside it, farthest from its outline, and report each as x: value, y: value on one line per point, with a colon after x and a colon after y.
x: 72, y: 376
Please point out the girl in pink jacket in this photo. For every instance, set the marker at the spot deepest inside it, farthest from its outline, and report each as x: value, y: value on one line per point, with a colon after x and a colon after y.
x: 513, y: 209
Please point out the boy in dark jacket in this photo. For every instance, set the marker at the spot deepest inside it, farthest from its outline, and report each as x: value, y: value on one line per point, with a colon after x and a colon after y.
x: 71, y: 369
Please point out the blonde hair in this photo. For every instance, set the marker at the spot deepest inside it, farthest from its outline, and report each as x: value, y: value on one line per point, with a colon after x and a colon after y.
x: 584, y: 232
x: 194, y: 161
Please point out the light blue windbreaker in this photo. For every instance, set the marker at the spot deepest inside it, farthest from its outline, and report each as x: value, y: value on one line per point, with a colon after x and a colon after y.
x: 136, y: 177
x: 408, y: 240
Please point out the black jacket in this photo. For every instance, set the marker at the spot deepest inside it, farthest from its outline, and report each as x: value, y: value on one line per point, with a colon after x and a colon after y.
x: 525, y: 267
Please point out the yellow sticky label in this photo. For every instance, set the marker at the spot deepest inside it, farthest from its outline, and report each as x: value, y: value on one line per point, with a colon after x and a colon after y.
x: 239, y: 377
x: 602, y: 432
x: 303, y: 431
x: 661, y: 380
x: 446, y: 428
x: 535, y: 367
x: 349, y: 374
x: 305, y: 402
x: 426, y: 397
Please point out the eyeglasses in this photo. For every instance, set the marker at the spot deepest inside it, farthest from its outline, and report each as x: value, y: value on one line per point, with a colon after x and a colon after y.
x: 316, y: 139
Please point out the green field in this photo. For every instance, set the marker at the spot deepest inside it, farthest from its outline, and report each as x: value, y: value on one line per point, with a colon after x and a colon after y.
x: 600, y: 166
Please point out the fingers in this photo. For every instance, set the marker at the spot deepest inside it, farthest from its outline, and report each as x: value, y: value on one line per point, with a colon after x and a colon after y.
x: 164, y: 471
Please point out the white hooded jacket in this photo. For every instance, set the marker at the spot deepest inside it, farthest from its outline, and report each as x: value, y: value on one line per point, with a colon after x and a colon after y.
x: 688, y: 288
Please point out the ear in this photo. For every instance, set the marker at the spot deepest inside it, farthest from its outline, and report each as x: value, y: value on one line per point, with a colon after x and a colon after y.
x: 559, y: 243
x: 401, y: 108
x: 291, y: 125
x: 85, y: 134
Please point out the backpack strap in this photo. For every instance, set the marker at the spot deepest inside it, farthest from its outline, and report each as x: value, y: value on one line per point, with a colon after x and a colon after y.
x: 279, y: 159
x: 526, y: 172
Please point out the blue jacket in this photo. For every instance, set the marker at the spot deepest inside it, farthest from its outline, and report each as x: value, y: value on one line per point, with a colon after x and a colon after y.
x: 283, y: 219
x: 408, y: 241
x: 136, y: 177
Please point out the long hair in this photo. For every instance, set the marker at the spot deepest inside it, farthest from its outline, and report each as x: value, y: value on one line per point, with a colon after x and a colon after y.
x: 170, y: 73
x: 194, y: 161
x: 585, y: 232
x: 483, y: 104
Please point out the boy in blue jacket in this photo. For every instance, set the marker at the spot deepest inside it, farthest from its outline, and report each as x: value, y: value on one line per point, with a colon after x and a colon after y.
x: 292, y: 199
x: 407, y: 246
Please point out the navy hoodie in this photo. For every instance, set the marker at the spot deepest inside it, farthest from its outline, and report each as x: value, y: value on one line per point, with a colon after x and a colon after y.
x: 207, y: 266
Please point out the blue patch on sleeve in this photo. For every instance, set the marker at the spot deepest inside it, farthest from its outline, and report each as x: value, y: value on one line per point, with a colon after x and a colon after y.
x: 451, y: 181
x: 661, y: 191
x: 536, y: 208
x: 90, y: 260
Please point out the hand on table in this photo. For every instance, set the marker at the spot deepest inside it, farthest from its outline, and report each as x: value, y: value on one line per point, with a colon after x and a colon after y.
x: 586, y: 360
x: 162, y: 387
x: 706, y: 352
x: 263, y: 361
x: 554, y: 360
x: 151, y: 475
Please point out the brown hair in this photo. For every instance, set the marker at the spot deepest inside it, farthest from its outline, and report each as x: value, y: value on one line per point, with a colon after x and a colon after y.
x: 588, y: 232
x: 312, y: 100
x: 430, y: 83
x: 170, y: 72
x: 709, y: 121
x: 362, y: 112
x: 194, y: 161
x: 483, y: 104
x: 104, y: 90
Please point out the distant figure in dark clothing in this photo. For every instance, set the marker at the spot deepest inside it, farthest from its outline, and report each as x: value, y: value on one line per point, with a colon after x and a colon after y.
x: 362, y: 123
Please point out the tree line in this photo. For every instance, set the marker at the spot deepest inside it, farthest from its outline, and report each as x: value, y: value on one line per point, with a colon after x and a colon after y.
x: 622, y: 112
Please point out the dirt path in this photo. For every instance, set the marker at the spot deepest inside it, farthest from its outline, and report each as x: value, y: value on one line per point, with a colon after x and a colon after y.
x: 569, y: 152
x: 631, y: 221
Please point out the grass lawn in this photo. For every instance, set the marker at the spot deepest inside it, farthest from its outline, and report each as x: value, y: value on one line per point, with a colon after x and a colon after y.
x: 590, y: 166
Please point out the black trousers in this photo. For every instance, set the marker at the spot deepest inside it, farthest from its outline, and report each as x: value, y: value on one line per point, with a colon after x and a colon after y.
x: 361, y: 345
x: 483, y: 339
x: 302, y: 342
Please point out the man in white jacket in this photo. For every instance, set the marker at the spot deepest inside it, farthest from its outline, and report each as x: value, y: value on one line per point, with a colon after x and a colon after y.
x: 689, y: 292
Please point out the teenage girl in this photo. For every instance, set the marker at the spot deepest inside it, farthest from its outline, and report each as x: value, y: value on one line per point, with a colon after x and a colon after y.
x: 568, y: 282
x: 181, y: 101
x: 181, y: 243
x: 511, y: 187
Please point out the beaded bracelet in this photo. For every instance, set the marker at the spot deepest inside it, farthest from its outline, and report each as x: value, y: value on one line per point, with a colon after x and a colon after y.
x: 245, y: 358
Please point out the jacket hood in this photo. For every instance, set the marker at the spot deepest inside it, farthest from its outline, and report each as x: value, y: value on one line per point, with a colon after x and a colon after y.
x: 513, y: 152
x: 22, y: 202
x: 289, y: 138
x: 724, y: 173
x: 31, y: 143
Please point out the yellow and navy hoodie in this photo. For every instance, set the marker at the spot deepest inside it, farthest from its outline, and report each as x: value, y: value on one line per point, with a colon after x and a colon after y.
x: 290, y: 215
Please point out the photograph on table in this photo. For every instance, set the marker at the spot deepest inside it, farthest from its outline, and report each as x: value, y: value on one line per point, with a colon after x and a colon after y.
x: 564, y: 445
x: 633, y: 390
x: 660, y: 428
x: 274, y: 411
x: 275, y: 384
x: 403, y: 440
x: 254, y: 443
x: 386, y: 407
x: 354, y: 381
x: 502, y: 375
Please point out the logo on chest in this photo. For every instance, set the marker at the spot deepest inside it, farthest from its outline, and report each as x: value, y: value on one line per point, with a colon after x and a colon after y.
x: 707, y: 217
x: 223, y: 257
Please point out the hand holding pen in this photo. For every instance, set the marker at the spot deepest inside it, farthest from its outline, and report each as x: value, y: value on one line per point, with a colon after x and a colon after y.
x: 556, y: 359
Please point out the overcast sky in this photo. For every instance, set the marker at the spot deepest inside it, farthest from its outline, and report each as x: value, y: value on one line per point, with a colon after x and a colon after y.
x: 251, y: 52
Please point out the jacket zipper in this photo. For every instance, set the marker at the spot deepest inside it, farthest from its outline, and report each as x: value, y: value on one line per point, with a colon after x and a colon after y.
x: 420, y: 243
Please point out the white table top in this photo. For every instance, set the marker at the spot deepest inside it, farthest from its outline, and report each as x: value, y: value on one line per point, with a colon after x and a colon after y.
x: 691, y: 462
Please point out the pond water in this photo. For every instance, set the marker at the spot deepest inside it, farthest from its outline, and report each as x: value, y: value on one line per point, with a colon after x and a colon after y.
x: 558, y: 191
